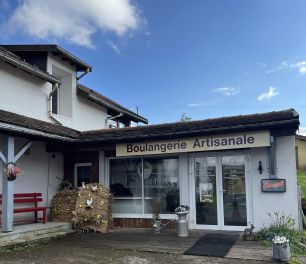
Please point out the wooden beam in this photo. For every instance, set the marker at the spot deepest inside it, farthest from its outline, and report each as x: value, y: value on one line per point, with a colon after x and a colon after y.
x: 3, y: 158
x: 8, y: 189
x: 22, y: 150
x: 55, y: 147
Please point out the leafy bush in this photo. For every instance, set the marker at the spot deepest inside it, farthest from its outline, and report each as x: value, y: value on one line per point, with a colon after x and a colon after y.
x: 282, y: 225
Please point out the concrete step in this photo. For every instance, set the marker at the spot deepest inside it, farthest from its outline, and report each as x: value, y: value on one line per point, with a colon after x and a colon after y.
x: 35, y: 238
x: 22, y: 232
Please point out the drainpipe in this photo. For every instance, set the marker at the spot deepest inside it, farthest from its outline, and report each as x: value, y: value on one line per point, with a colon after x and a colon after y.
x: 83, y: 74
x: 56, y: 85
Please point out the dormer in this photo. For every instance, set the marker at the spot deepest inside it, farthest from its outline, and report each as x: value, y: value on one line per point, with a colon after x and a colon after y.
x: 68, y: 103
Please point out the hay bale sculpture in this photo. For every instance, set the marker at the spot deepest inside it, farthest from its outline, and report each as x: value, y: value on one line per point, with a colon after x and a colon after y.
x: 93, y: 209
x: 62, y: 205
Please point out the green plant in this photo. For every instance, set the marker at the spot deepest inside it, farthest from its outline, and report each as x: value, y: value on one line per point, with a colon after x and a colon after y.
x: 282, y: 225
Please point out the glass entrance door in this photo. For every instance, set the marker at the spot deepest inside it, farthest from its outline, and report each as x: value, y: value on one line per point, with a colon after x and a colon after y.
x: 206, y: 191
x: 234, y: 191
x: 220, y: 198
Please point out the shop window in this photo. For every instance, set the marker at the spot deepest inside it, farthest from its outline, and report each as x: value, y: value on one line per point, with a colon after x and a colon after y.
x: 82, y: 173
x: 144, y: 186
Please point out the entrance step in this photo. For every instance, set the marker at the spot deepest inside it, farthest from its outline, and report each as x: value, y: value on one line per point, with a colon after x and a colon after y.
x: 35, y: 232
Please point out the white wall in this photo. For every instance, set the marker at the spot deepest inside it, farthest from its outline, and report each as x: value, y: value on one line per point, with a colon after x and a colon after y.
x: 41, y: 172
x: 27, y: 95
x: 86, y: 115
x: 264, y: 203
x: 23, y: 93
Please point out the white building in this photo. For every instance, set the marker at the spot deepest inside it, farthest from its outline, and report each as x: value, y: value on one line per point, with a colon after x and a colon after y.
x: 230, y: 171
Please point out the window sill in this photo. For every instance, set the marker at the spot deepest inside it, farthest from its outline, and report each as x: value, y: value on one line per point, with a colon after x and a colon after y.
x: 63, y: 117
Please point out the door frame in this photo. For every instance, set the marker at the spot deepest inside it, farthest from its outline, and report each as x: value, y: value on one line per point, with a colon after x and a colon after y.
x: 76, y: 165
x: 219, y: 190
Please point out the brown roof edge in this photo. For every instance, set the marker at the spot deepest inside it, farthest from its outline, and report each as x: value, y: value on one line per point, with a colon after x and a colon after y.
x: 11, y: 58
x: 108, y: 103
x: 278, y: 122
x: 19, y: 124
x: 286, y: 119
x: 300, y: 137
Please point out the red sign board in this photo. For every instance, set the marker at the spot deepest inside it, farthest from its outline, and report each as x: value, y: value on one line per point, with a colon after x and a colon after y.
x: 273, y: 185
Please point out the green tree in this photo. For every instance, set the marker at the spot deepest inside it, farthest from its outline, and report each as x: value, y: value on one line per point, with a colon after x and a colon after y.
x: 185, y: 118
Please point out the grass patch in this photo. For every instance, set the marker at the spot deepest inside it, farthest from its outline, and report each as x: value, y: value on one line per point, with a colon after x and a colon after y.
x: 301, y: 175
x: 30, y: 245
x: 282, y: 225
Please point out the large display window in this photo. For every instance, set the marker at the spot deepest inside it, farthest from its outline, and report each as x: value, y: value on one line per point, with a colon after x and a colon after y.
x: 144, y: 185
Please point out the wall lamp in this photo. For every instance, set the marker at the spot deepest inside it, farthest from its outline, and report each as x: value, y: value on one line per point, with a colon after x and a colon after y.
x: 260, y: 169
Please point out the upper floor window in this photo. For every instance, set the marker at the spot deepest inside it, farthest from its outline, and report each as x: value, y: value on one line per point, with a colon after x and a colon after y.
x: 62, y: 96
x: 55, y: 101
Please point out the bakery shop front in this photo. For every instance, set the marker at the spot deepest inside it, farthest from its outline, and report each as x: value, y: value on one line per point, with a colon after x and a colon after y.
x: 231, y: 171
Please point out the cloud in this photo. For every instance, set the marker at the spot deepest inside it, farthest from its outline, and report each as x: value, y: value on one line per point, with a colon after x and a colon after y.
x: 74, y: 21
x: 283, y: 65
x: 301, y: 66
x: 261, y: 65
x: 302, y: 131
x: 114, y: 47
x: 227, y: 91
x: 195, y: 104
x: 268, y: 95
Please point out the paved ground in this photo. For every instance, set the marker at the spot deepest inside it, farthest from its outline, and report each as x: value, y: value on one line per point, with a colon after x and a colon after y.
x: 126, y: 247
x: 63, y: 252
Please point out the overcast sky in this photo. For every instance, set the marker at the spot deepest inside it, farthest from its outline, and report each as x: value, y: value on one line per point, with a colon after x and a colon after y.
x: 168, y: 57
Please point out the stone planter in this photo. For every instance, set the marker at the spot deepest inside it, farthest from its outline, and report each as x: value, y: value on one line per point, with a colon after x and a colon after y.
x: 182, y: 224
x: 281, y: 252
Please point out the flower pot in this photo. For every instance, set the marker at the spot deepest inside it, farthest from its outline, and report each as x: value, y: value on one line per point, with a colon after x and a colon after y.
x: 281, y: 252
x: 182, y: 224
x: 11, y: 178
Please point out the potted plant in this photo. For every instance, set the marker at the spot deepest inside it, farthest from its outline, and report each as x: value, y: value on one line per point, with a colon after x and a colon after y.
x: 281, y: 248
x: 11, y: 171
x: 182, y: 223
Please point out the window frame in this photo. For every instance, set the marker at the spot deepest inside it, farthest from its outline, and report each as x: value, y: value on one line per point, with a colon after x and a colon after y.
x: 76, y: 165
x: 57, y: 90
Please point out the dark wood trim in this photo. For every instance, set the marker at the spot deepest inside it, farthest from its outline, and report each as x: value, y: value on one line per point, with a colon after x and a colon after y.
x: 139, y: 223
x: 70, y: 159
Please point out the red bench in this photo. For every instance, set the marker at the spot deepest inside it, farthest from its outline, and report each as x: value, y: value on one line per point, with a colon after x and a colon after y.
x: 28, y: 198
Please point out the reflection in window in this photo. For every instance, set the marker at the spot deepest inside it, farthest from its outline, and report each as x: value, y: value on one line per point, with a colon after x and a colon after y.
x: 55, y: 101
x: 83, y: 174
x: 161, y: 188
x: 234, y: 194
x: 205, y: 191
x: 144, y: 186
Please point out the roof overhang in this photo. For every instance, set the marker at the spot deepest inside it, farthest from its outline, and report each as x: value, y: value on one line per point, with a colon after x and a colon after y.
x: 17, y: 62
x: 56, y: 51
x: 112, y: 107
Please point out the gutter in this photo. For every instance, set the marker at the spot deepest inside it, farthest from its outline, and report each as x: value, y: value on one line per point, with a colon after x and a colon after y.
x: 83, y: 74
